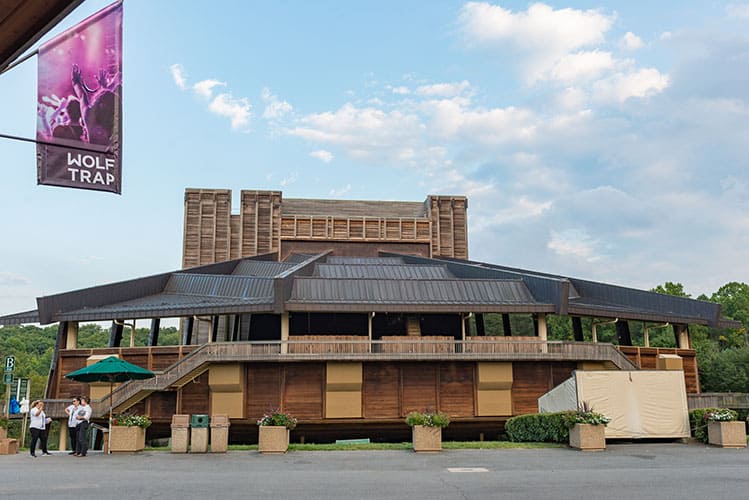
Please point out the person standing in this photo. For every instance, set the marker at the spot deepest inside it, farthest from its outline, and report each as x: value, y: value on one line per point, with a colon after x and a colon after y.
x: 71, y: 411
x: 38, y: 428
x: 83, y: 416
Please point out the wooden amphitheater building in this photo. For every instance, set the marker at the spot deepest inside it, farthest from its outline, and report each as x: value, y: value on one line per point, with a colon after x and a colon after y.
x: 349, y: 314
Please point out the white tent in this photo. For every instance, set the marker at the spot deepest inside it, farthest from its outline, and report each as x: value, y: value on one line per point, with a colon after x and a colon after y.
x: 641, y: 404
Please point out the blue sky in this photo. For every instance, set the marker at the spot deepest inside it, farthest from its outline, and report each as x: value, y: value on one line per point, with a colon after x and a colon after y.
x: 603, y: 140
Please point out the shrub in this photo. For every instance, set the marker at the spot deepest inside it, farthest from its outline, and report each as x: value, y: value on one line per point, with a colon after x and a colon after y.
x: 584, y: 415
x: 428, y: 419
x: 699, y: 417
x: 539, y: 427
x: 278, y: 418
x: 3, y: 423
x: 128, y: 420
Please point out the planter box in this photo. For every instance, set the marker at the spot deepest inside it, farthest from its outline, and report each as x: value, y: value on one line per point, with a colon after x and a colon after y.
x: 273, y: 439
x: 427, y: 438
x: 588, y: 437
x: 727, y: 434
x: 127, y: 438
x: 8, y: 446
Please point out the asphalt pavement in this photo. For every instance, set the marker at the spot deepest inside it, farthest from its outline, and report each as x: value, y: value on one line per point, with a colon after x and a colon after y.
x: 624, y: 471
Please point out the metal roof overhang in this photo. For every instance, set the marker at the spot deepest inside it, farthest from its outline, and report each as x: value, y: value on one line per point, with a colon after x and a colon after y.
x: 404, y: 307
x: 24, y: 22
x: 601, y: 311
x: 21, y: 318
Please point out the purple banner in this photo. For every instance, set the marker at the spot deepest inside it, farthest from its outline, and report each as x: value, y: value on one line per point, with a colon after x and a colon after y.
x: 79, y: 108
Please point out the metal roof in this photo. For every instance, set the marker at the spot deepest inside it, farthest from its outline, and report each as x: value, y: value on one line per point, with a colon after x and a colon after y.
x: 20, y: 318
x: 401, y: 272
x: 379, y: 261
x: 24, y: 22
x: 265, y: 268
x: 452, y: 294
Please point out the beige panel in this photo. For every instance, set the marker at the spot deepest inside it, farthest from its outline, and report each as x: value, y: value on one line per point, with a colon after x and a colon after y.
x: 343, y: 382
x: 343, y: 404
x: 227, y: 403
x: 99, y: 390
x: 494, y: 402
x: 669, y: 362
x: 494, y: 376
x: 225, y: 378
x: 344, y: 373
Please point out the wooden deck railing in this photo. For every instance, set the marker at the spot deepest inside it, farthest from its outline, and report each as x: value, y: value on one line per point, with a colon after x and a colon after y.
x: 352, y: 348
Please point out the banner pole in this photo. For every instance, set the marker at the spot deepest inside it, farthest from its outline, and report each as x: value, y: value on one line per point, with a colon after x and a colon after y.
x: 46, y: 143
x: 21, y: 60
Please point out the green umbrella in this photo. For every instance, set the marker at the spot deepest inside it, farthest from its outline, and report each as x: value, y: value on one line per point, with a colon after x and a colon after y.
x: 111, y: 369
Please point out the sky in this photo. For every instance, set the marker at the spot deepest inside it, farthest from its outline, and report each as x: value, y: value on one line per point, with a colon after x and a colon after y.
x: 599, y: 140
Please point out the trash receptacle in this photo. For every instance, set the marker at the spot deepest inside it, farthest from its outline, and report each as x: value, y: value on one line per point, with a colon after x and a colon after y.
x: 180, y: 433
x: 219, y: 433
x: 199, y: 433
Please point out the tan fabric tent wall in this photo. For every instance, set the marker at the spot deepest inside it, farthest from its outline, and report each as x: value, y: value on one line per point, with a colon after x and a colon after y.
x: 641, y: 404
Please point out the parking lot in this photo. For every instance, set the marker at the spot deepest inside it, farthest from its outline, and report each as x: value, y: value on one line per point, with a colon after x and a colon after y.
x: 623, y: 471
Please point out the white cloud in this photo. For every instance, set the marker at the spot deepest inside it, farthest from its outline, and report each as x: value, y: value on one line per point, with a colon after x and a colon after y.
x: 621, y: 86
x: 400, y: 90
x: 666, y: 35
x: 443, y: 89
x: 236, y: 109
x: 340, y: 191
x: 738, y: 10
x: 322, y: 155
x: 543, y: 35
x: 575, y: 243
x: 204, y: 88
x: 582, y: 66
x: 274, y: 107
x: 13, y: 280
x: 178, y: 74
x: 630, y: 41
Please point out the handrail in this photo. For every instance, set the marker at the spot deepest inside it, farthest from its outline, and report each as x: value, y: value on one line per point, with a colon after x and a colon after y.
x: 401, y: 348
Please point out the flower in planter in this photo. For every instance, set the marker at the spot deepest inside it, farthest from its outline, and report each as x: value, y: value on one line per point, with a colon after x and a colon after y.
x: 427, y: 419
x: 585, y: 415
x: 127, y: 420
x: 278, y: 418
x: 721, y: 415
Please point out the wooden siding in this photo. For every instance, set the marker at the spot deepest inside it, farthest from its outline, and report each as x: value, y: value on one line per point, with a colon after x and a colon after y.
x: 419, y: 385
x: 207, y: 235
x: 646, y: 358
x: 449, y: 226
x: 195, y: 396
x: 325, y: 344
x: 380, y: 390
x: 331, y: 228
x: 529, y: 382
x: 456, y: 389
x: 352, y: 248
x: 162, y: 405
x: 303, y: 390
x: 264, y: 389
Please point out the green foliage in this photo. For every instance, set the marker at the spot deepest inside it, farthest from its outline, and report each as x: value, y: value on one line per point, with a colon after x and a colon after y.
x: 278, y: 418
x: 585, y: 415
x: 127, y: 420
x: 699, y: 418
x: 539, y: 427
x: 3, y: 423
x: 428, y: 419
x: 721, y: 415
x: 669, y: 288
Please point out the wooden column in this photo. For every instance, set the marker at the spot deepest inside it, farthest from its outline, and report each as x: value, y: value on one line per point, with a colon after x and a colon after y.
x: 540, y: 321
x: 187, y: 333
x: 153, y: 334
x: 681, y: 332
x: 115, y: 334
x: 284, y: 332
x: 577, y: 329
x: 71, y: 342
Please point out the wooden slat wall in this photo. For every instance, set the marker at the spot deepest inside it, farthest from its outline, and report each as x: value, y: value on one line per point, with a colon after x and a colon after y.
x: 297, y: 227
x: 264, y: 389
x: 162, y: 405
x: 456, y: 393
x: 67, y: 388
x: 260, y: 222
x: 419, y: 387
x: 303, y: 390
x: 195, y: 396
x: 207, y: 236
x: 381, y: 390
x: 646, y: 358
x: 561, y: 372
x: 449, y: 226
x: 529, y: 382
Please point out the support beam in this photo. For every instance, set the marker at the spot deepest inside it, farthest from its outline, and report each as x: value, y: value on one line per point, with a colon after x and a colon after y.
x: 506, y: 325
x: 622, y: 333
x: 153, y: 334
x: 187, y: 333
x: 115, y: 333
x: 681, y: 332
x: 577, y: 329
x: 370, y: 316
x: 541, y: 330
x: 480, y: 326
x: 71, y: 342
x: 284, y: 333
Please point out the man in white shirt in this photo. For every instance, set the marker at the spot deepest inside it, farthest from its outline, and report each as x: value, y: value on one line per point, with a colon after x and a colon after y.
x: 38, y: 428
x: 83, y: 415
x: 72, y: 423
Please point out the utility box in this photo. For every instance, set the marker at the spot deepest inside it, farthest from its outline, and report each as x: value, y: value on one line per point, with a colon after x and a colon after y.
x: 199, y: 433
x: 669, y: 362
x: 219, y: 433
x: 180, y: 441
